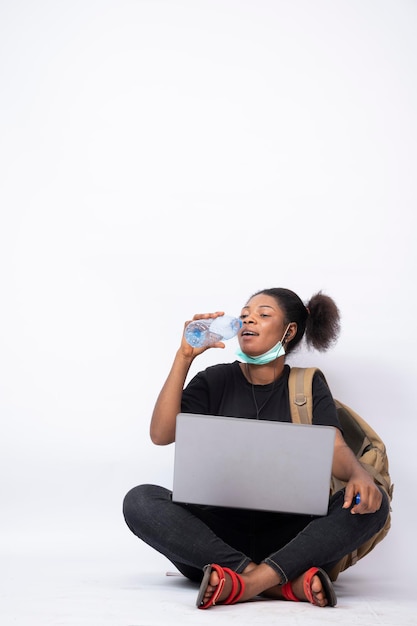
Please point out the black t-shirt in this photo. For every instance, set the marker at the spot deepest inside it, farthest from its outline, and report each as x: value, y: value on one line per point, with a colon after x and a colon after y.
x: 223, y: 390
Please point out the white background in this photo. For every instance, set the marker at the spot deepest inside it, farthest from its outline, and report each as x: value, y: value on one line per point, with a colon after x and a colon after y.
x: 163, y: 158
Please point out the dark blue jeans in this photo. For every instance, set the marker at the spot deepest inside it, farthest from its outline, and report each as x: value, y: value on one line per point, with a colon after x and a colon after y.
x: 191, y: 536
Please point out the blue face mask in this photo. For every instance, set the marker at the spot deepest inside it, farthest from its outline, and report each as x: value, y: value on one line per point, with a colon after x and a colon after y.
x: 266, y: 357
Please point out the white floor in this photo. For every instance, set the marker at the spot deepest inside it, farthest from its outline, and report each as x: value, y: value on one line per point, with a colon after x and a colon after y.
x: 122, y: 582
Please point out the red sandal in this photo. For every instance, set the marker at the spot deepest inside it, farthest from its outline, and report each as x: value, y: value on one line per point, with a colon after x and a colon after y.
x: 288, y: 592
x: 238, y: 586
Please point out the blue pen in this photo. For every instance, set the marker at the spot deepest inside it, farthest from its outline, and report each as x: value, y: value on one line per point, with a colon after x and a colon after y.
x: 357, y: 498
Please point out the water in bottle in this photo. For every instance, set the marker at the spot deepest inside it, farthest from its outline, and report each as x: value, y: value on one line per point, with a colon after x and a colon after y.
x: 201, y: 333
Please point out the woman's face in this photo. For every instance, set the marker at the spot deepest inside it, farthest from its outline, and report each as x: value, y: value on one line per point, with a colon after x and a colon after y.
x: 263, y: 325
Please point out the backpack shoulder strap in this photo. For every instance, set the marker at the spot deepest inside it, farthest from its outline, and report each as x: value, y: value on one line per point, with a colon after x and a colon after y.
x: 300, y: 383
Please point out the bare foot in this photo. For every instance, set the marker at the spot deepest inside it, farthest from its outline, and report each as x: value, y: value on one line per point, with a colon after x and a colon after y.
x: 316, y: 586
x: 255, y: 579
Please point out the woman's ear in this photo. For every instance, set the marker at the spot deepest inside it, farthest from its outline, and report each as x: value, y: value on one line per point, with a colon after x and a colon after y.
x: 290, y: 333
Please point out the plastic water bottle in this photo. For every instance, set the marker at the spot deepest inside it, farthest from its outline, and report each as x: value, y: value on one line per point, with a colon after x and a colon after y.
x: 200, y: 333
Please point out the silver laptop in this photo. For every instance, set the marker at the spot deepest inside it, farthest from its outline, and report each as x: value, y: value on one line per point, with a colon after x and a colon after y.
x: 252, y: 464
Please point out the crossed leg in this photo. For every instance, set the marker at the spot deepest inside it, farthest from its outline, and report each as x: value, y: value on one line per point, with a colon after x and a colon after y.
x: 263, y: 580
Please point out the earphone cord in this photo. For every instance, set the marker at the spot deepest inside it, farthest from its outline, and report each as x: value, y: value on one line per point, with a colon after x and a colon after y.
x: 259, y: 409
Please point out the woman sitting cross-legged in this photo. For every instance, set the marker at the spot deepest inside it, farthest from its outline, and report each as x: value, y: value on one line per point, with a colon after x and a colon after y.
x: 236, y: 555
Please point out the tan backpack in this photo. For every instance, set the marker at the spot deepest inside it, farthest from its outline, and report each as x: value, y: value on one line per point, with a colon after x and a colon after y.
x: 360, y: 437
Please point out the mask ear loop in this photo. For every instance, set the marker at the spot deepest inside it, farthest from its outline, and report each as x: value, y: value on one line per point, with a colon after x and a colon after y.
x: 285, y: 335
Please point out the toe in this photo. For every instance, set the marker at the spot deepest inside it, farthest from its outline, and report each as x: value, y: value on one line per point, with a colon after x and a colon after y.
x: 317, y: 591
x: 213, y: 584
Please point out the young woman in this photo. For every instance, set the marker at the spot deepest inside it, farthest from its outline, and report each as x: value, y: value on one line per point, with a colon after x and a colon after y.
x: 237, y: 555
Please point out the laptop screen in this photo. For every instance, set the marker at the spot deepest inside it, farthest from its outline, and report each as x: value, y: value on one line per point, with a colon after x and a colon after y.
x: 253, y: 464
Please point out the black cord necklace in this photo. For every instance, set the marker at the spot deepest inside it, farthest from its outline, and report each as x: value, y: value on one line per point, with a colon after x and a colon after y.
x: 259, y: 408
